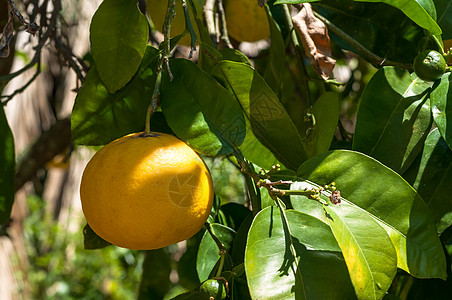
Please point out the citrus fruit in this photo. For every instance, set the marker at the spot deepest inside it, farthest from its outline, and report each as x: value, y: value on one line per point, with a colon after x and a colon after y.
x: 429, y: 65
x: 246, y: 20
x: 146, y: 192
x: 156, y: 9
x: 212, y: 289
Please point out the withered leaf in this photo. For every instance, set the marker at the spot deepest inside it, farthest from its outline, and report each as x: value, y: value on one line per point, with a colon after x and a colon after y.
x: 316, y: 42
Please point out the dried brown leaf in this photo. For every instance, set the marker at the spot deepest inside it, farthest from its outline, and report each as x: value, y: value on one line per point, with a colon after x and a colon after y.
x: 316, y: 42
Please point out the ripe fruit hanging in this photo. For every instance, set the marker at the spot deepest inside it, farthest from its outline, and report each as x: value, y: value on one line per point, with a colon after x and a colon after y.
x: 246, y: 20
x: 146, y: 192
x: 429, y: 65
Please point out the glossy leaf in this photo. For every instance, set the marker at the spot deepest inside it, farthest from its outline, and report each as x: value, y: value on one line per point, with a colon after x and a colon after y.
x: 99, y: 117
x: 7, y: 168
x: 274, y: 273
x: 155, y: 278
x: 433, y: 176
x: 390, y: 200
x: 208, y: 250
x: 369, y: 254
x: 415, y: 11
x: 118, y: 36
x: 268, y: 120
x: 393, y: 118
x: 441, y: 98
x: 200, y: 111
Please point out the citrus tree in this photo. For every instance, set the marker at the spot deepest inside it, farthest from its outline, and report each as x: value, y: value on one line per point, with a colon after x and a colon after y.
x: 331, y: 211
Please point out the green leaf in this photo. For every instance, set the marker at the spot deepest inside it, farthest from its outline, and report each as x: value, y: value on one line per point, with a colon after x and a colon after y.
x: 390, y: 200
x: 415, y: 11
x: 433, y: 176
x: 274, y: 273
x: 444, y: 11
x: 91, y: 240
x: 393, y: 118
x: 155, y: 278
x: 208, y: 250
x: 99, y: 117
x: 234, y: 55
x: 369, y: 254
x: 326, y: 115
x: 269, y: 126
x: 7, y: 168
x: 118, y: 36
x: 441, y: 97
x: 276, y: 60
x: 200, y: 111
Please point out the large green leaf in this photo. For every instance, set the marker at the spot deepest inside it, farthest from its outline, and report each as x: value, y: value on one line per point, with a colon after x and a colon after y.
x: 441, y: 98
x: 7, y: 168
x: 432, y: 178
x: 200, y: 111
x: 208, y: 250
x: 118, y: 36
x: 390, y: 200
x: 444, y: 11
x: 369, y: 254
x: 272, y: 270
x: 415, y: 11
x: 268, y: 120
x: 393, y: 118
x: 99, y: 117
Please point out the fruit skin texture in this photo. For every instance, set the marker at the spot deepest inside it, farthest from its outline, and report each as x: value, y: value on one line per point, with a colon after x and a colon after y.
x: 212, y: 289
x: 246, y: 20
x: 156, y: 9
x: 429, y: 65
x: 146, y: 193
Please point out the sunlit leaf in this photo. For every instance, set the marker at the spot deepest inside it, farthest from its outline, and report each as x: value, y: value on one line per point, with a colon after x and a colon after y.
x: 200, y: 111
x: 393, y: 118
x: 369, y: 254
x: 274, y: 273
x: 118, y: 36
x: 99, y: 117
x: 269, y: 126
x: 390, y: 200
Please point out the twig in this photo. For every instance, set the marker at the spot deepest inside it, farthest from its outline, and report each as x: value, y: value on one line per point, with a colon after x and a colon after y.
x: 224, y: 37
x: 210, y: 20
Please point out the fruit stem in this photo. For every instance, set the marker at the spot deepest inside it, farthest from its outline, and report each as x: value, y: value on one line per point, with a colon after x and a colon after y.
x: 163, y: 59
x: 220, y: 266
x: 154, y: 100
